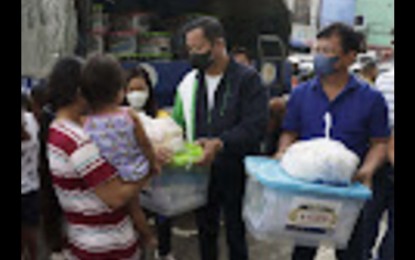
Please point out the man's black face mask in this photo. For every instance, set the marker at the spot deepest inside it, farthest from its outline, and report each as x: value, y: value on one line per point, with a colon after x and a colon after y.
x: 201, y: 61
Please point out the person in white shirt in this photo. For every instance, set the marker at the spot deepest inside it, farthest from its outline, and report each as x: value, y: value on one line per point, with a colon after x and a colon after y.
x: 383, y: 185
x: 386, y: 84
x: 29, y: 184
x: 369, y: 71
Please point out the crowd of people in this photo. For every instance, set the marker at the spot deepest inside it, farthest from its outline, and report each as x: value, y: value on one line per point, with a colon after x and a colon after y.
x: 86, y: 157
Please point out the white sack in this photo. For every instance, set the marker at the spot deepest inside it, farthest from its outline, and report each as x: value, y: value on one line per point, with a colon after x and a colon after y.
x: 320, y: 159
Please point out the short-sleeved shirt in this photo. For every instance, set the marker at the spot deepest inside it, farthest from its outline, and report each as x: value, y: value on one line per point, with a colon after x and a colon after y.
x: 358, y: 113
x: 30, y: 155
x: 94, y: 230
x: 114, y: 135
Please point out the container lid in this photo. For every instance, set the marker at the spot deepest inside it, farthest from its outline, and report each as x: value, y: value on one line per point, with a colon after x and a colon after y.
x: 269, y: 172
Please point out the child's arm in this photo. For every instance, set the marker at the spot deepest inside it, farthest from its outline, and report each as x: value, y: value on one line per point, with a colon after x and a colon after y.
x: 144, y: 142
x: 141, y: 225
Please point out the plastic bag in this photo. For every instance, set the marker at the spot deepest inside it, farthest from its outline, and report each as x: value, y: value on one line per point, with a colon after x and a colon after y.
x: 163, y: 132
x: 321, y: 160
x: 188, y: 155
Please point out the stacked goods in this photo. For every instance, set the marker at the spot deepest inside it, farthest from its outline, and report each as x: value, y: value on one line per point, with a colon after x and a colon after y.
x: 122, y: 42
x: 155, y: 45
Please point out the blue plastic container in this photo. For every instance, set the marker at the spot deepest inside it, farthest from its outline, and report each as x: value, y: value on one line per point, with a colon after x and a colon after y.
x: 280, y: 207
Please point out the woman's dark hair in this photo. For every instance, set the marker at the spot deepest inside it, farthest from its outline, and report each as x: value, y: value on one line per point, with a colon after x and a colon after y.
x: 150, y: 107
x: 350, y: 39
x: 64, y: 81
x: 211, y: 27
x: 102, y: 79
x: 61, y: 88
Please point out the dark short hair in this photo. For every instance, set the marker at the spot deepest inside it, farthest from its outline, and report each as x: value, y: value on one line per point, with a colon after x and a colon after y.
x: 211, y: 27
x: 150, y: 107
x: 102, y: 79
x: 241, y: 50
x: 369, y: 65
x: 350, y: 39
x: 64, y: 81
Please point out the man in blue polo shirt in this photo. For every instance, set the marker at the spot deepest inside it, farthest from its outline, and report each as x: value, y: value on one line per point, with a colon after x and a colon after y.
x: 359, y: 116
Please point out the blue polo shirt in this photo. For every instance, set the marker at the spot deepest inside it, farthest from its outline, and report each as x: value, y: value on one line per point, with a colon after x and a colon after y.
x: 359, y: 113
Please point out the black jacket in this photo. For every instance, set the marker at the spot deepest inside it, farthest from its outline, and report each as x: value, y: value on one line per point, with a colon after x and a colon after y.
x: 239, y: 116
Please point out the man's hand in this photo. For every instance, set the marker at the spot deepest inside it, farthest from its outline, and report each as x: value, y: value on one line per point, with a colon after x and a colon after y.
x: 202, y: 141
x: 278, y: 155
x: 163, y: 156
x: 364, y: 177
x: 210, y: 148
x: 374, y: 159
x: 286, y: 140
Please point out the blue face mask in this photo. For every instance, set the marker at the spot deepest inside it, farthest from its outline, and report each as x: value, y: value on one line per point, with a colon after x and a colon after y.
x: 323, y: 65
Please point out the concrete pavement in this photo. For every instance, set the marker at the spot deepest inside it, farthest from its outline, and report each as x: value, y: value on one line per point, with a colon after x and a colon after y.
x: 185, y: 245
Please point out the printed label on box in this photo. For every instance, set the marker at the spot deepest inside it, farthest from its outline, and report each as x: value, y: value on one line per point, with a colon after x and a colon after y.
x: 313, y: 215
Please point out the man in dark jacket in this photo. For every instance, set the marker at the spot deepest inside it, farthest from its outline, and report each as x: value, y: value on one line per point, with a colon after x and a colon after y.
x: 223, y: 106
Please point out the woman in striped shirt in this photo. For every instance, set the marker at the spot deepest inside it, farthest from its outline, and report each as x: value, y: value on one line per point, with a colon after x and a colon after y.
x: 93, y: 197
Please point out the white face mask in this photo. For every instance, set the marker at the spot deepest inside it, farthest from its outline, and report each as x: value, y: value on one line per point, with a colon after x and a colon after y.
x: 137, y: 99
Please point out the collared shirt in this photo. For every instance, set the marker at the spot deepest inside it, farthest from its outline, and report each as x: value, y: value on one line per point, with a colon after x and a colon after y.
x: 358, y: 113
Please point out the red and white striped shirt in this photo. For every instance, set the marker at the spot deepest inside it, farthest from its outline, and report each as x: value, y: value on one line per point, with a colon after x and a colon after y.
x: 95, y: 231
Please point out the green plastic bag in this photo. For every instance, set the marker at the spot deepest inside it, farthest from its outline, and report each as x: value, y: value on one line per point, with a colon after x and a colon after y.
x: 190, y: 154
